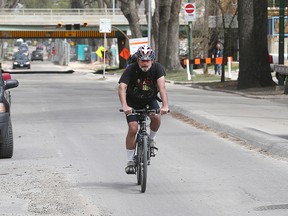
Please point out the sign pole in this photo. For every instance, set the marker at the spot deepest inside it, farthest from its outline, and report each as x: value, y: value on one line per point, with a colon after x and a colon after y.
x: 149, y: 23
x: 104, y: 27
x: 190, y: 11
x: 104, y: 56
x: 190, y: 47
x: 281, y: 40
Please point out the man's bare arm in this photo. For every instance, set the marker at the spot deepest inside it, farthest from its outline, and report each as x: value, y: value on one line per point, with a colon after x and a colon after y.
x: 122, y: 96
x: 163, y: 94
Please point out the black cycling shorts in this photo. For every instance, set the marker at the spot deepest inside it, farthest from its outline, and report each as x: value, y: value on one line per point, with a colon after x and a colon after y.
x: 152, y: 105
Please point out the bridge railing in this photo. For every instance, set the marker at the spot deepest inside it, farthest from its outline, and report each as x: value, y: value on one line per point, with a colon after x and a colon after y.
x: 53, y: 16
x: 66, y: 16
x: 78, y: 11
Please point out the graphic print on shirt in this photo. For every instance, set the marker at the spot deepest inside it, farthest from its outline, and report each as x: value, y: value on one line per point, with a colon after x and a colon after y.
x: 144, y: 85
x: 143, y: 90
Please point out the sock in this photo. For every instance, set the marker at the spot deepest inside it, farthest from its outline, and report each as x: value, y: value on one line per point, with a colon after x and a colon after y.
x: 130, y: 154
x: 152, y: 135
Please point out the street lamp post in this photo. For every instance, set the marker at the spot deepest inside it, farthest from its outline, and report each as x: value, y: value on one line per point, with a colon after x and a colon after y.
x: 149, y: 22
x: 281, y: 39
x: 113, y: 6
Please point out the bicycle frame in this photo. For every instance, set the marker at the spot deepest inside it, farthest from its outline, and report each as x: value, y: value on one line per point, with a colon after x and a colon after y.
x: 142, y: 151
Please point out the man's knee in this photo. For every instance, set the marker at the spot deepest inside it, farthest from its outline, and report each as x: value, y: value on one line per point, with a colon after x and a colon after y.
x: 132, y: 128
x: 155, y: 120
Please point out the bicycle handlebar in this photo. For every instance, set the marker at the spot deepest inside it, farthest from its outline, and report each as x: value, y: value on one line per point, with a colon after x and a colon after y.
x: 141, y: 111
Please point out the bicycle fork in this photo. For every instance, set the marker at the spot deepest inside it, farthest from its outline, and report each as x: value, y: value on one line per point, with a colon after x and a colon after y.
x: 139, y: 146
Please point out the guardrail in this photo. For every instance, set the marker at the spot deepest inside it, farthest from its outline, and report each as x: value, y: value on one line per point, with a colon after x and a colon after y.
x: 66, y: 16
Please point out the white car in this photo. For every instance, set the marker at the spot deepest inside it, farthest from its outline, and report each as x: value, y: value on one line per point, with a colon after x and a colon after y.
x: 273, y: 59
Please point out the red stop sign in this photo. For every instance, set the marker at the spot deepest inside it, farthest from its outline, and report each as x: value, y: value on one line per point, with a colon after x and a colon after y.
x: 189, y: 8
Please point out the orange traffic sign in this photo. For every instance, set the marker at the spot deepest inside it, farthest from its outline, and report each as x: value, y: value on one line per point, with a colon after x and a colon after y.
x: 125, y: 53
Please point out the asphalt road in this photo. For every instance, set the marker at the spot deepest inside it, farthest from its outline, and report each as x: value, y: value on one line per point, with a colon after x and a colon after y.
x: 69, y: 159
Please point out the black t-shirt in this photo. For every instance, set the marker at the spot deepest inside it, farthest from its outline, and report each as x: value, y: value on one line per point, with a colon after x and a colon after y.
x: 142, y: 86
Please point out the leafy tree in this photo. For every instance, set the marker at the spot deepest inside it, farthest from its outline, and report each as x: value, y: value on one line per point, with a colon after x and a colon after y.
x: 9, y: 3
x: 61, y: 4
x: 38, y: 4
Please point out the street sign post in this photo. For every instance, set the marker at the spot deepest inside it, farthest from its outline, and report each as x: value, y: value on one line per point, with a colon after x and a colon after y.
x: 190, y: 15
x: 104, y: 27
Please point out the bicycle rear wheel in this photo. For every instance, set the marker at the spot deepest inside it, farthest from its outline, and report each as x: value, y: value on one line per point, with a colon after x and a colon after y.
x: 143, y: 164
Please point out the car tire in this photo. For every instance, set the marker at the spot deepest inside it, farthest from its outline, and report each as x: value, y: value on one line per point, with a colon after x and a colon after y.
x: 6, y: 147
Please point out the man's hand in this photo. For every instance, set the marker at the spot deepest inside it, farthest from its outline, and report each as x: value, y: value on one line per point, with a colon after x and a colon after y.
x: 164, y: 110
x: 127, y: 110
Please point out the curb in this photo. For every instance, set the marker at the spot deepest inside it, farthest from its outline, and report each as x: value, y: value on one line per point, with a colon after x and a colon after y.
x: 41, y: 72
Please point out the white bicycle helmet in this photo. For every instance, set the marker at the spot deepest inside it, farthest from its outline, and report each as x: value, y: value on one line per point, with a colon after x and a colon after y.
x: 145, y: 53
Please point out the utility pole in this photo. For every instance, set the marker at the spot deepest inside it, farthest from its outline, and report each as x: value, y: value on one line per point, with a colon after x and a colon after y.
x: 281, y: 32
x: 149, y: 23
x: 281, y: 40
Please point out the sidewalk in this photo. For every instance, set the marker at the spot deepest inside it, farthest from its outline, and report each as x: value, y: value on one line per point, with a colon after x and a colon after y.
x: 258, y: 121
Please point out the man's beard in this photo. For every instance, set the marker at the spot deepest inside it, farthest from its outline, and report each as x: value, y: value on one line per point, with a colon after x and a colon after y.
x: 145, y: 69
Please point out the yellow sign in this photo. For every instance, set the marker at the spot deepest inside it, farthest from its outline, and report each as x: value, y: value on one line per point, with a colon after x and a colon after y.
x: 99, y: 51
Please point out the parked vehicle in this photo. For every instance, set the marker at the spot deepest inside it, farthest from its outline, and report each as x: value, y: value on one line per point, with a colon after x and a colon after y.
x: 21, y: 61
x: 6, y: 132
x: 273, y: 58
x: 36, y: 55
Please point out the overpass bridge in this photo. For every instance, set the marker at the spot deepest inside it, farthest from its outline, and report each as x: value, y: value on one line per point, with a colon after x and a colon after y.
x: 43, y: 23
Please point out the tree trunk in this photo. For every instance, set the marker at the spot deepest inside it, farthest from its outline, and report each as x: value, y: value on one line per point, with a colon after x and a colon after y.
x: 76, y: 4
x: 206, y: 32
x: 155, y: 27
x: 130, y: 11
x: 164, y: 16
x: 172, y: 56
x: 253, y: 55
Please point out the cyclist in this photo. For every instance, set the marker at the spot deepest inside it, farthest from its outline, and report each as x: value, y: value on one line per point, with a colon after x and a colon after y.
x: 138, y: 87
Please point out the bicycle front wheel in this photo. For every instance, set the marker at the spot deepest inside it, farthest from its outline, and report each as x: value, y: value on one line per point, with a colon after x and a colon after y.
x: 144, y: 164
x: 138, y: 161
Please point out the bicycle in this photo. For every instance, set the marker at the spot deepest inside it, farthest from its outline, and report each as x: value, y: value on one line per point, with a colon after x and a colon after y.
x: 142, y: 155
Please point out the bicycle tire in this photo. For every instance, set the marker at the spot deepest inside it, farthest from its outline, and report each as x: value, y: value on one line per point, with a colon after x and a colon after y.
x: 138, y: 161
x: 144, y: 164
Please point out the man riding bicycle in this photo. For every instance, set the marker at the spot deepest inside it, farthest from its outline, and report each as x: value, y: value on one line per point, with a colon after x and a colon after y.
x: 138, y: 87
